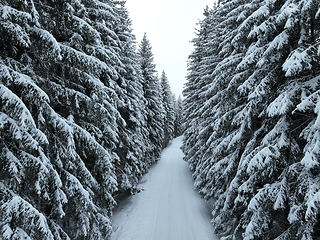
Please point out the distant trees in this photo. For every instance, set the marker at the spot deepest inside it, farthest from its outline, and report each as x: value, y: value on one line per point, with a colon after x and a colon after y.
x: 251, y: 118
x: 80, y: 118
x: 168, y: 105
x: 178, y: 119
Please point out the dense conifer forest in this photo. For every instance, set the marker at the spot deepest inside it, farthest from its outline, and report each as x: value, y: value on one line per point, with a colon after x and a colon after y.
x: 252, y: 135
x: 83, y: 115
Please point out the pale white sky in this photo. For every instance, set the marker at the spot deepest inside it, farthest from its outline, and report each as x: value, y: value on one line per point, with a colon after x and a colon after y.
x: 169, y: 25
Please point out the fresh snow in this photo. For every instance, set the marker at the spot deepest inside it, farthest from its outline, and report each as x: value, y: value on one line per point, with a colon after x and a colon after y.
x: 167, y: 207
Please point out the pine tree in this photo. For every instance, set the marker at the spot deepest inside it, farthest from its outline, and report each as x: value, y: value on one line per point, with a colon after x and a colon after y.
x: 60, y: 63
x: 204, y: 54
x: 82, y: 91
x: 155, y: 112
x: 253, y: 150
x: 168, y: 105
x: 178, y: 119
x: 31, y: 187
x: 133, y: 135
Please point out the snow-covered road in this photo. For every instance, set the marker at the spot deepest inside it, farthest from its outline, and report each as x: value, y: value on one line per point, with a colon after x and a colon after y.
x: 168, y: 208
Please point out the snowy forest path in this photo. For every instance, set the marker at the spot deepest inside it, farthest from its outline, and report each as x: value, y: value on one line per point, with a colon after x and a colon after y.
x: 167, y: 207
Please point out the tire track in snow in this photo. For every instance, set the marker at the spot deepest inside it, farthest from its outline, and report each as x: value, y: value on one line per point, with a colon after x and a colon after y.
x: 155, y: 216
x: 169, y: 208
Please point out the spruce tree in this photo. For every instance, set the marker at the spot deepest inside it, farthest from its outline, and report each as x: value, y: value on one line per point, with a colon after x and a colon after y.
x: 133, y: 135
x: 168, y: 105
x: 60, y: 117
x: 154, y: 110
x: 194, y: 96
x: 253, y: 150
x: 178, y: 119
x: 31, y: 187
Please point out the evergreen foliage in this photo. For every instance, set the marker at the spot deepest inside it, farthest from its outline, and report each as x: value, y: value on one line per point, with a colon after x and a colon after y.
x: 178, y: 119
x: 80, y: 119
x: 251, y: 118
x: 154, y: 109
x: 167, y: 100
x: 133, y: 135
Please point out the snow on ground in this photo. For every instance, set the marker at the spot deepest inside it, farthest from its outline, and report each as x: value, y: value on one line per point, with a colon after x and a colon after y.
x: 168, y: 207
